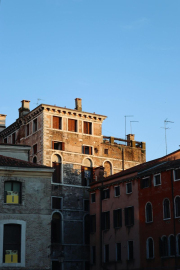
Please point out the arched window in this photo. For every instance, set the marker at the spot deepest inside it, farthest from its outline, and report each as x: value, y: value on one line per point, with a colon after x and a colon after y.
x: 149, y: 217
x: 177, y: 206
x: 56, y: 164
x: 150, y: 248
x: 178, y: 244
x: 166, y: 208
x: 87, y: 172
x: 107, y: 168
x: 164, y: 246
x: 34, y: 159
x: 171, y: 245
x: 56, y: 228
x: 86, y: 229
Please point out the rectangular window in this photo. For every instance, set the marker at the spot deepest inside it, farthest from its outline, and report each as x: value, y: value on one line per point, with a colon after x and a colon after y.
x: 72, y: 125
x: 57, y: 172
x: 117, y: 215
x: 87, y: 150
x: 5, y: 140
x: 34, y: 149
x: 105, y: 194
x: 118, y: 251
x: 12, y: 243
x: 93, y: 197
x: 176, y: 174
x: 58, y: 145
x: 106, y: 151
x: 145, y: 182
x: 27, y: 130
x: 130, y: 250
x: 105, y: 220
x: 57, y: 122
x: 35, y: 125
x: 86, y: 205
x: 157, y: 179
x: 92, y: 223
x: 128, y: 188
x: 106, y: 253
x: 93, y: 255
x: 56, y: 203
x: 14, y: 138
x: 12, y: 192
x: 129, y: 216
x: 87, y: 128
x: 117, y: 191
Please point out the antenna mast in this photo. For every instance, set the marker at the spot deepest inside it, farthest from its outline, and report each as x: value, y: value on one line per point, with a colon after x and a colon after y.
x: 165, y: 128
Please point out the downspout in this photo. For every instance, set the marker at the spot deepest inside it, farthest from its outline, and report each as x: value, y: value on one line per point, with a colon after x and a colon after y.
x: 123, y: 159
x: 174, y: 224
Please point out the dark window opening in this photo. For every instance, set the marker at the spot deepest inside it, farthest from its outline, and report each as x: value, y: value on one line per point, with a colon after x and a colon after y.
x: 130, y: 250
x: 57, y: 172
x: 35, y: 160
x: 12, y: 243
x: 150, y: 248
x: 56, y: 228
x: 86, y: 205
x: 87, y: 229
x: 172, y: 248
x: 87, y: 128
x: 166, y: 209
x: 57, y: 122
x: 56, y: 265
x: 157, y: 179
x: 163, y: 245
x: 145, y: 182
x: 93, y: 197
x: 5, y: 140
x: 56, y: 203
x: 177, y: 206
x: 117, y: 191
x: 149, y: 217
x: 106, y: 151
x: 106, y: 253
x: 27, y: 130
x: 87, y: 175
x: 128, y: 188
x: 58, y: 145
x: 105, y: 194
x: 106, y: 220
x: 93, y: 255
x: 117, y: 214
x: 72, y: 125
x: 14, y: 138
x: 118, y: 251
x: 176, y: 174
x: 92, y: 223
x: 129, y: 216
x: 35, y: 125
x: 87, y: 150
x: 35, y: 149
x: 12, y: 192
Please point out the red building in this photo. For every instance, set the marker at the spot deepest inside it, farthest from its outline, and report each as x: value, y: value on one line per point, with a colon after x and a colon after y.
x: 135, y: 217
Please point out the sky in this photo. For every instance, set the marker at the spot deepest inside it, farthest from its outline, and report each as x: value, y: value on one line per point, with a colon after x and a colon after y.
x: 121, y: 57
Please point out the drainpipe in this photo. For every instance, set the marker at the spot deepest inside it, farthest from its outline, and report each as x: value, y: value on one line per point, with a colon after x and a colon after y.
x: 123, y: 159
x: 174, y: 224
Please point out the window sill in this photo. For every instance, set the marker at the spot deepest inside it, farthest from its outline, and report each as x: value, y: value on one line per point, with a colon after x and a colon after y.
x: 149, y: 222
x: 129, y: 193
x: 165, y: 219
x: 157, y: 185
x: 117, y: 196
x: 150, y: 259
x: 16, y: 204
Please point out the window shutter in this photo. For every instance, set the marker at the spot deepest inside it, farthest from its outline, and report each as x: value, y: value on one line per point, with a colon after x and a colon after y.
x: 108, y: 220
x: 160, y: 247
x: 126, y: 216
x: 82, y: 175
x: 56, y: 122
x: 120, y: 213
x: 52, y: 144
x: 103, y: 221
x: 108, y: 193
x: 132, y: 215
x: 63, y: 146
x: 90, y: 150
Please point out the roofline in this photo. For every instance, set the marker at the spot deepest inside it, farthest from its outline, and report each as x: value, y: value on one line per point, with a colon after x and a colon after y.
x: 34, y: 169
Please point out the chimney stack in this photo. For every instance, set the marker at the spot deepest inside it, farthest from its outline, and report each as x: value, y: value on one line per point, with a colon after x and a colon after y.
x: 78, y: 104
x: 24, y: 108
x: 2, y: 122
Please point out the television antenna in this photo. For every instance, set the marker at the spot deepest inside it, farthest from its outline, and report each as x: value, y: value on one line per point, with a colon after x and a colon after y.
x: 131, y: 124
x: 165, y: 128
x: 125, y: 123
x: 38, y: 99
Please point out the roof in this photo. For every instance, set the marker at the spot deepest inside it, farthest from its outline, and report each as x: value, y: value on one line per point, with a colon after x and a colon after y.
x: 13, y: 162
x: 16, y: 145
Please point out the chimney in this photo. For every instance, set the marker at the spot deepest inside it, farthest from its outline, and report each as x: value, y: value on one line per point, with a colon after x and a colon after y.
x: 2, y: 122
x: 130, y: 137
x: 24, y: 108
x: 78, y: 104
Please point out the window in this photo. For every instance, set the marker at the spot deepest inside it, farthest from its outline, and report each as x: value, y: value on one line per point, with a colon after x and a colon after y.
x: 35, y: 160
x: 163, y: 246
x: 150, y: 248
x: 35, y: 125
x: 92, y: 223
x: 12, y: 192
x: 56, y: 164
x: 157, y: 179
x: 56, y: 228
x: 86, y: 229
x: 105, y: 194
x: 87, y: 175
x: 57, y: 122
x: 35, y: 149
x: 117, y: 214
x: 130, y: 250
x: 177, y: 206
x: 145, y: 182
x: 87, y: 150
x: 72, y: 125
x: 117, y: 191
x: 5, y: 140
x: 93, y: 255
x: 106, y: 253
x: 58, y: 145
x: 148, y: 212
x: 176, y: 174
x: 93, y: 197
x: 106, y: 151
x: 86, y: 205
x: 172, y: 246
x: 129, y: 216
x: 27, y: 130
x: 87, y: 128
x: 105, y: 220
x: 56, y: 202
x: 14, y: 138
x: 118, y: 251
x: 166, y: 209
x: 128, y: 188
x: 178, y: 244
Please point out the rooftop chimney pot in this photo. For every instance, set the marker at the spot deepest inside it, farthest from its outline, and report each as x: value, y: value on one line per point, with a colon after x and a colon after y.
x: 24, y: 109
x: 78, y: 104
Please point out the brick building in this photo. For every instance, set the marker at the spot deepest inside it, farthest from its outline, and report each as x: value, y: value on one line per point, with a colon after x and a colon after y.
x: 25, y: 211
x: 134, y: 217
x: 71, y: 141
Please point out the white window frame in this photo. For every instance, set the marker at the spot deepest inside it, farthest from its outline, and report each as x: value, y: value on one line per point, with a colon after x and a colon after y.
x: 177, y: 249
x: 58, y: 198
x: 147, y: 248
x: 169, y: 209
x: 175, y: 206
x: 147, y: 177
x: 170, y: 246
x: 154, y: 179
x: 174, y: 174
x: 146, y: 214
x: 23, y: 242
x: 127, y: 188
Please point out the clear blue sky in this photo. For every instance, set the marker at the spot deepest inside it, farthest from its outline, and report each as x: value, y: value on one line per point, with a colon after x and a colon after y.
x: 121, y: 57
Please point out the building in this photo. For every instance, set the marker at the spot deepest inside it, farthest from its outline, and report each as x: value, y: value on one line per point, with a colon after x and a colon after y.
x: 25, y: 211
x: 71, y: 141
x: 134, y: 217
